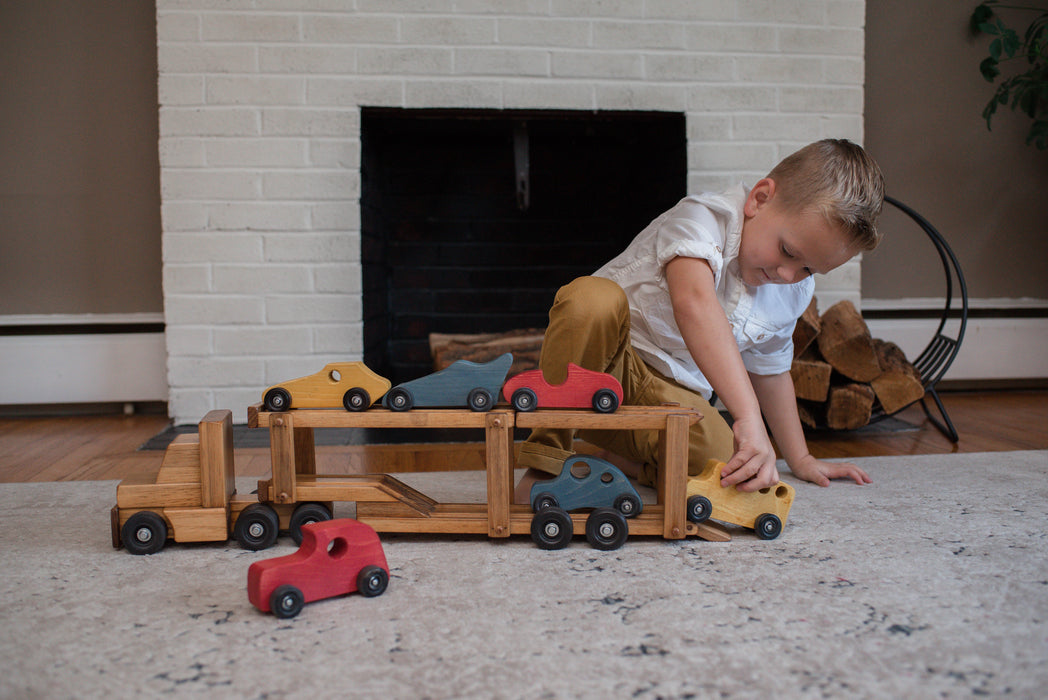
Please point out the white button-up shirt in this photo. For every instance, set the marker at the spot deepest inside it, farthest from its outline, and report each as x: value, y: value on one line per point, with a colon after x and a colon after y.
x: 707, y: 226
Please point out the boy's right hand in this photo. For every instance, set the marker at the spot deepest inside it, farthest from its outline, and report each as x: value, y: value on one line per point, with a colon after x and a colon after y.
x: 752, y: 467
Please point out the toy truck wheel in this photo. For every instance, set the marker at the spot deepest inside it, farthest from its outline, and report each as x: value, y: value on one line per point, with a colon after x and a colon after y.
x: 144, y: 532
x: 372, y: 581
x: 768, y: 526
x: 257, y: 527
x: 605, y: 401
x: 524, y: 400
x: 356, y: 400
x: 400, y: 400
x: 286, y: 601
x: 305, y: 514
x: 606, y: 529
x: 479, y: 400
x: 628, y: 505
x: 552, y: 529
x: 699, y: 509
x: 543, y: 501
x: 277, y: 399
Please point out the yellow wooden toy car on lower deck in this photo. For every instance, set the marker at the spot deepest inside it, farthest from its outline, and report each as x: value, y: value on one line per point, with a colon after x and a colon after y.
x: 351, y: 385
x: 765, y: 511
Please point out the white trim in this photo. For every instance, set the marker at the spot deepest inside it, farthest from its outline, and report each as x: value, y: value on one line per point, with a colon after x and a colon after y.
x: 79, y: 319
x: 937, y: 303
x: 95, y: 368
x: 992, y: 348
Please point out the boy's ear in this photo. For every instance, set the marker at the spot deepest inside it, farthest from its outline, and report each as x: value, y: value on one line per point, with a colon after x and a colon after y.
x: 759, y: 196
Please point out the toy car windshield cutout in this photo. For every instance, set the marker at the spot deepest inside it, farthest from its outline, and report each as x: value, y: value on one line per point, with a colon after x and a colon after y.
x: 764, y: 511
x: 584, y: 482
x: 582, y: 388
x: 350, y: 385
x: 336, y: 557
x: 461, y: 384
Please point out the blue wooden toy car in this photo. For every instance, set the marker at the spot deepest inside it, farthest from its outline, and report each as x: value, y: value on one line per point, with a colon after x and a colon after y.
x: 584, y: 482
x: 461, y: 384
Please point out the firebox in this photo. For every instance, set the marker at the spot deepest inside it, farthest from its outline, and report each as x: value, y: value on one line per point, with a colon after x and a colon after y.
x: 472, y: 219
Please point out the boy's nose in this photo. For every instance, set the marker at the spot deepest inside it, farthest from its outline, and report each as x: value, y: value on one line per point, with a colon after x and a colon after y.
x: 787, y: 274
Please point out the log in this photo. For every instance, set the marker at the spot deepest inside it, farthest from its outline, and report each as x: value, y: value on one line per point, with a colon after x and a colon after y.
x: 896, y: 390
x: 845, y: 342
x: 811, y: 379
x: 891, y: 358
x: 525, y: 344
x: 807, y: 329
x: 850, y: 406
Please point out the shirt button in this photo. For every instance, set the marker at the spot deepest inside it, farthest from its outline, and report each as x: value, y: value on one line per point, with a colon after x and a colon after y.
x: 760, y: 337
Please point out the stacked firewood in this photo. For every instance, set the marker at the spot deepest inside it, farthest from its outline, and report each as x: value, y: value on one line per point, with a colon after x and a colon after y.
x: 842, y: 375
x: 524, y: 343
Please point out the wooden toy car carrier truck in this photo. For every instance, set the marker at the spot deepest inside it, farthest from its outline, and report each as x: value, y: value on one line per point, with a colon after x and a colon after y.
x: 192, y: 497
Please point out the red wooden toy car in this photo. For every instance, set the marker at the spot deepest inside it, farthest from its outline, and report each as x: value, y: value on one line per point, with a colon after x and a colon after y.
x: 583, y: 388
x: 336, y: 557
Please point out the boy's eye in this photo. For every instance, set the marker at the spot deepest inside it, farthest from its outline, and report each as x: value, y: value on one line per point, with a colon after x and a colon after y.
x: 787, y: 253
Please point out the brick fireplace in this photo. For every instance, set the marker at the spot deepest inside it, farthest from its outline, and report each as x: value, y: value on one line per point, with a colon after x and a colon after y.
x: 262, y: 108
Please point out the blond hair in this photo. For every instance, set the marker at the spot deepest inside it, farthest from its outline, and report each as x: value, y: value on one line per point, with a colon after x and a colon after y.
x: 838, y: 179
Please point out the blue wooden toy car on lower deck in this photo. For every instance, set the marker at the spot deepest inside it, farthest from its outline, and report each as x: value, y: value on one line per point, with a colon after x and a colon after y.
x: 584, y: 482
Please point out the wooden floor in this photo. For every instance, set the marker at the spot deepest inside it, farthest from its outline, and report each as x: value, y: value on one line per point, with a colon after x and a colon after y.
x: 106, y: 447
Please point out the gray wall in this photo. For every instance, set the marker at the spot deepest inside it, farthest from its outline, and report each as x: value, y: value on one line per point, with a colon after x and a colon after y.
x: 986, y: 191
x: 79, y: 171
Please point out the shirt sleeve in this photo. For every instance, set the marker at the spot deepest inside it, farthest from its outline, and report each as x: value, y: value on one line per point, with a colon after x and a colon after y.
x: 691, y: 231
x: 772, y: 357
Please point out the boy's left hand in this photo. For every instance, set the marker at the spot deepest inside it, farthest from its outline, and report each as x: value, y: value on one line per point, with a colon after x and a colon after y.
x: 820, y: 472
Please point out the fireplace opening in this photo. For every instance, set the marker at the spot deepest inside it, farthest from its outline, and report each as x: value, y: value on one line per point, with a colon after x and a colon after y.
x: 472, y: 219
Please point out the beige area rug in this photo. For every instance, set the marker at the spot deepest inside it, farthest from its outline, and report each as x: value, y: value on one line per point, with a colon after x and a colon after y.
x: 931, y: 582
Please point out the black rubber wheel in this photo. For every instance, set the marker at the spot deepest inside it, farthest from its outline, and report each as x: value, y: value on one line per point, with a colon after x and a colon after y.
x: 356, y: 400
x: 768, y: 526
x: 372, y: 581
x: 606, y: 529
x: 286, y: 601
x: 628, y: 504
x: 605, y: 401
x: 699, y: 509
x: 544, y: 500
x: 257, y: 527
x: 305, y: 514
x: 277, y: 399
x: 479, y: 400
x: 400, y: 400
x: 145, y: 532
x: 524, y: 400
x: 552, y: 529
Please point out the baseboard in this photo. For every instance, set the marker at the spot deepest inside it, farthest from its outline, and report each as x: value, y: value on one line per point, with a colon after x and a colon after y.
x: 82, y: 359
x: 997, y: 345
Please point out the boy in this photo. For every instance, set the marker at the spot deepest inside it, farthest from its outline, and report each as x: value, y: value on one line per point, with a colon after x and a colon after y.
x: 705, y: 300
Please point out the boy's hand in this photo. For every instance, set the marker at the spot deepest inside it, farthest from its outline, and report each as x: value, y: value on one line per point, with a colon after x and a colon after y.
x: 752, y: 467
x: 820, y: 472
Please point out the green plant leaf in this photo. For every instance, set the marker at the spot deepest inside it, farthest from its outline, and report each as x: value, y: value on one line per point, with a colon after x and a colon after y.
x: 1010, y: 42
x: 980, y: 16
x: 995, y: 49
x: 989, y: 69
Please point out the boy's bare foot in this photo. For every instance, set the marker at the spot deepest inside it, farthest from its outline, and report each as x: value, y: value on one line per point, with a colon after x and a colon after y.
x: 522, y: 492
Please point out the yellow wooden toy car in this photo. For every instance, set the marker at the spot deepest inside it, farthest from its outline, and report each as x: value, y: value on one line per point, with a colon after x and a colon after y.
x: 764, y: 511
x: 350, y: 384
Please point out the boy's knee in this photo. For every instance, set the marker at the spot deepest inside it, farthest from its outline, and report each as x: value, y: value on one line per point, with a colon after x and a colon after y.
x: 591, y: 298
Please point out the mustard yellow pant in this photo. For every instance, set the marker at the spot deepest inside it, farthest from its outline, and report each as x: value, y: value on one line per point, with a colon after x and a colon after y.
x: 589, y: 324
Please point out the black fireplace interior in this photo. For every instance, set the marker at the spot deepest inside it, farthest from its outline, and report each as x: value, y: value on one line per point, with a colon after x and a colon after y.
x: 471, y: 220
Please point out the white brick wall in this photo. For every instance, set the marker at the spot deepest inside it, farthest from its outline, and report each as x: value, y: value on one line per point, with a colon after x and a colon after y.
x: 259, y: 137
